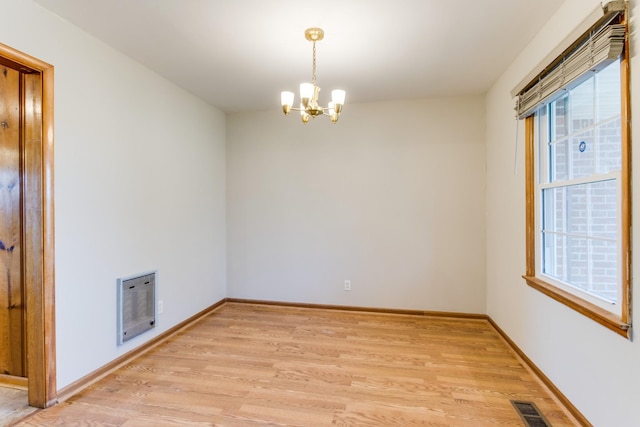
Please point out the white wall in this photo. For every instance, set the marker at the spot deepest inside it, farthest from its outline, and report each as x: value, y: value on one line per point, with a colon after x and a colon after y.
x: 139, y: 186
x: 391, y: 198
x: 598, y: 370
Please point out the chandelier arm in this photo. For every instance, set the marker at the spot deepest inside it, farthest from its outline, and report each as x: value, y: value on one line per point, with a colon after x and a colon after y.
x: 323, y: 109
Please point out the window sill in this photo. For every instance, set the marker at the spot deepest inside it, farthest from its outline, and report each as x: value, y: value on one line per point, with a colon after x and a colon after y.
x: 592, y: 311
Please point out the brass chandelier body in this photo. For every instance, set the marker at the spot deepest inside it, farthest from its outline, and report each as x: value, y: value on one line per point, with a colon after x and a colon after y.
x: 309, y: 92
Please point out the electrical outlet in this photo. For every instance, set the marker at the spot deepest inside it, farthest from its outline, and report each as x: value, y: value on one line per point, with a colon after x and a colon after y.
x: 160, y: 306
x: 347, y: 285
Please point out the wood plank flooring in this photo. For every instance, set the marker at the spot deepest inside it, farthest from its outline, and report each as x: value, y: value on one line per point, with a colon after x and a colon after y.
x: 13, y: 405
x: 248, y: 365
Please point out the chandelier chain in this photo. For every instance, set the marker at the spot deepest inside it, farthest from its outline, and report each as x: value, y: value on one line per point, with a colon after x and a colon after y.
x: 314, y: 64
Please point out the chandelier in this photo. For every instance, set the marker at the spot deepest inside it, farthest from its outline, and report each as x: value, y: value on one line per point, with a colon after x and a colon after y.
x: 309, y: 91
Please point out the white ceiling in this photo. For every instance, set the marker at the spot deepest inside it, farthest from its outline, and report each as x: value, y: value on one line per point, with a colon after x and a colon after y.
x: 240, y: 54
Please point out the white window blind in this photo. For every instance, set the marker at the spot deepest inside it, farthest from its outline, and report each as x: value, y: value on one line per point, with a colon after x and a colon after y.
x: 598, y: 47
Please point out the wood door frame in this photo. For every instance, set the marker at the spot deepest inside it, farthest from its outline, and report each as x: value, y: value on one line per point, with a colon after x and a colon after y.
x: 40, y: 288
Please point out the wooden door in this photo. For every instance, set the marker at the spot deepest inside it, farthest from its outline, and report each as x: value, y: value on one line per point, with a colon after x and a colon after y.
x: 33, y: 246
x: 12, y: 314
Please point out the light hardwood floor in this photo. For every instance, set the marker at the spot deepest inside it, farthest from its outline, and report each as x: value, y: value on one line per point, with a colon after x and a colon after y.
x: 13, y: 405
x: 246, y: 365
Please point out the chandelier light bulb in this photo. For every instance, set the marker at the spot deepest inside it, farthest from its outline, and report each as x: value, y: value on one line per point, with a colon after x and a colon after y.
x: 332, y: 112
x: 337, y: 96
x: 303, y: 114
x: 306, y: 93
x: 286, y: 98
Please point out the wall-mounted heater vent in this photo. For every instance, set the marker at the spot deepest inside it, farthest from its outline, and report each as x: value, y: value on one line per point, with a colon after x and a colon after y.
x: 136, y: 306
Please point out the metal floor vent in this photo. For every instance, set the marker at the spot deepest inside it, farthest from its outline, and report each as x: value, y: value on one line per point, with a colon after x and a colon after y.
x: 136, y: 306
x: 530, y: 414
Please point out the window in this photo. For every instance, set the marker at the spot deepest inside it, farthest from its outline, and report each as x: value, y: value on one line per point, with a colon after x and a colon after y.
x: 579, y: 163
x: 578, y: 191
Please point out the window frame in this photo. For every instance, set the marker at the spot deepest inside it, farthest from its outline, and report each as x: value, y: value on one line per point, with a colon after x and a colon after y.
x: 620, y: 324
